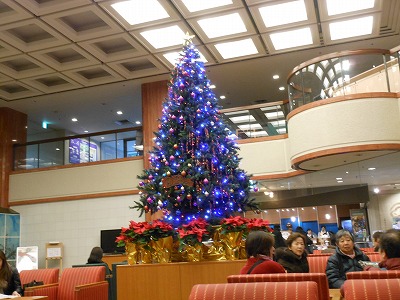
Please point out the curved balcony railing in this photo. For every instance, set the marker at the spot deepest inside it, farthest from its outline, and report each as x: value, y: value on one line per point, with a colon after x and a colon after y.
x: 344, y: 73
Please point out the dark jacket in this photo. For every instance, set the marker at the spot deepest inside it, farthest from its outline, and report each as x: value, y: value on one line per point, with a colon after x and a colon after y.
x: 279, y: 240
x: 291, y: 262
x: 14, y: 284
x: 339, y: 264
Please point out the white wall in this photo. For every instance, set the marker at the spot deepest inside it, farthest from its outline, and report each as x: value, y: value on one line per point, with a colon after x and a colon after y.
x: 76, y: 224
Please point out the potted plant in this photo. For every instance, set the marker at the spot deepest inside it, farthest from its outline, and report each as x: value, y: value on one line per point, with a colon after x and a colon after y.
x: 232, y: 232
x: 191, y: 236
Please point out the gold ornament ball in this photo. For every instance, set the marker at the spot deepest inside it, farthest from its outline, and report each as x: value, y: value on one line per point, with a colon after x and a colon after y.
x: 183, y: 173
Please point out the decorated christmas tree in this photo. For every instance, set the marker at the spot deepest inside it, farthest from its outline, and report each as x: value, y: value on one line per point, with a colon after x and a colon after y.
x: 194, y: 163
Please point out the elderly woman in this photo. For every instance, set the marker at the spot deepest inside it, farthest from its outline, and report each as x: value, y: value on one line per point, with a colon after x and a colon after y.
x: 346, y: 259
x: 294, y: 257
x: 259, y: 250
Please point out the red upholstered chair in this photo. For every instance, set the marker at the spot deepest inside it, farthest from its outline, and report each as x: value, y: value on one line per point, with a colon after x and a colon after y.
x: 371, y: 289
x: 373, y: 274
x: 367, y: 250
x: 46, y: 275
x: 319, y: 278
x: 374, y: 256
x: 75, y: 284
x: 305, y: 290
x: 318, y: 263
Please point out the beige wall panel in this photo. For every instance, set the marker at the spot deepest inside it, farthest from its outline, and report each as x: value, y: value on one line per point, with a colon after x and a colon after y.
x: 268, y: 157
x: 345, y: 123
x: 101, y: 178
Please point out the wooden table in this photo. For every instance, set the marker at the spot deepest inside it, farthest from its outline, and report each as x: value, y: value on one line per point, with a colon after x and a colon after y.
x: 335, y: 294
x: 34, y: 298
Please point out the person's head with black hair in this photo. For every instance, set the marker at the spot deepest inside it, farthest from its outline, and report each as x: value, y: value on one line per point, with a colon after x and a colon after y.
x: 376, y: 236
x: 259, y: 243
x: 390, y: 244
x: 96, y: 256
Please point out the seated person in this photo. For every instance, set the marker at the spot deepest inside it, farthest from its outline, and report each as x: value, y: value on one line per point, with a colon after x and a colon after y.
x: 259, y: 250
x: 96, y: 257
x: 346, y: 259
x: 10, y: 283
x: 390, y: 251
x: 375, y: 239
x: 294, y: 257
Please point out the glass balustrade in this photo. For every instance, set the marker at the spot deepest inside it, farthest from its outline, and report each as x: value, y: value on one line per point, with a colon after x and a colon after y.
x: 78, y: 149
x: 344, y: 73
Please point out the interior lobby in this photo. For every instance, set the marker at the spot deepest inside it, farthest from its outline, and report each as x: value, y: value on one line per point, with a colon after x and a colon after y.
x: 317, y: 120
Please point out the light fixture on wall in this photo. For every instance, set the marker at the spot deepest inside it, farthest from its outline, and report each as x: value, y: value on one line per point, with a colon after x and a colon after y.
x: 376, y: 190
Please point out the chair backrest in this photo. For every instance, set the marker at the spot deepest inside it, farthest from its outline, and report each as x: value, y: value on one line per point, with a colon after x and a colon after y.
x: 373, y: 274
x: 46, y: 275
x: 319, y: 278
x: 374, y: 256
x: 318, y: 263
x: 72, y: 277
x: 108, y: 271
x: 367, y: 249
x: 371, y: 289
x: 256, y: 291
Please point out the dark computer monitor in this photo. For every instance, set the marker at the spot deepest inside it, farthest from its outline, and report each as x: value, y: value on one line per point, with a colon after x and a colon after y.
x: 107, y: 241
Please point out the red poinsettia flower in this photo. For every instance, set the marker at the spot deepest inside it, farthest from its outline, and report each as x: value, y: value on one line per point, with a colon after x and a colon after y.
x: 258, y: 224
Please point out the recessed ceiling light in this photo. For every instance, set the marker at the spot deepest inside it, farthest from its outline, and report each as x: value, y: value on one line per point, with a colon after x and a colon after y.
x: 350, y: 28
x: 119, y: 112
x: 237, y: 48
x: 275, y: 77
x: 291, y: 38
x: 164, y: 37
x: 138, y: 122
x: 376, y: 190
x: 212, y: 26
x: 74, y: 120
x: 339, y: 178
x: 222, y: 97
x: 86, y: 131
x: 285, y: 13
x: 57, y: 149
x: 339, y: 181
x: 281, y: 88
x: 371, y: 169
x: 102, y: 137
x: 196, y: 5
x: 347, y: 172
x: 139, y: 11
x: 212, y: 86
x: 14, y: 140
x: 336, y: 7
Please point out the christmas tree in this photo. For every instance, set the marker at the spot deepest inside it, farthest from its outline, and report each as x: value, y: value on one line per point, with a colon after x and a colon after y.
x: 194, y: 164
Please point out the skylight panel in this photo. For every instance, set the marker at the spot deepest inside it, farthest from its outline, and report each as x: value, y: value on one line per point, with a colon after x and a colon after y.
x: 164, y: 37
x: 242, y: 119
x: 236, y: 48
x: 139, y: 11
x: 336, y: 7
x: 285, y: 13
x: 274, y: 115
x: 197, y: 5
x: 172, y: 57
x: 292, y: 38
x: 351, y: 28
x: 222, y: 25
x: 250, y: 127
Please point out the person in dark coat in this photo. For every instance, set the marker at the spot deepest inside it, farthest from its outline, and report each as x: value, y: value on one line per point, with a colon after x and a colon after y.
x: 279, y: 240
x: 96, y: 257
x: 345, y: 259
x: 10, y: 283
x: 294, y: 257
